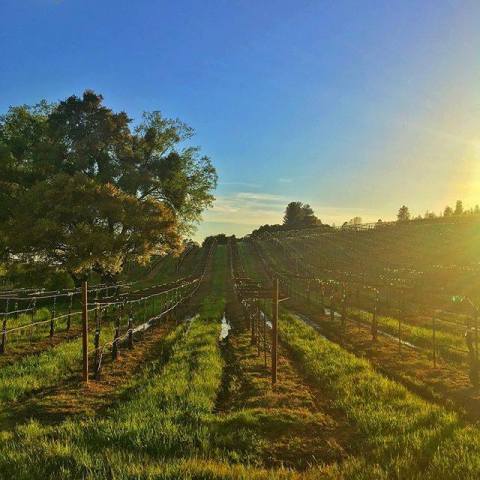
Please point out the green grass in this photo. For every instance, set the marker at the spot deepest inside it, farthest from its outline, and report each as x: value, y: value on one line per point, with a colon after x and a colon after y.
x: 165, y: 427
x: 35, y: 372
x: 448, y: 345
x: 162, y: 416
x: 402, y: 436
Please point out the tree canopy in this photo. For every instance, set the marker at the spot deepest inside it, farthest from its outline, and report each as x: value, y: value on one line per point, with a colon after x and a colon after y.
x: 81, y: 188
x: 298, y: 214
x: 403, y: 214
x: 458, y: 208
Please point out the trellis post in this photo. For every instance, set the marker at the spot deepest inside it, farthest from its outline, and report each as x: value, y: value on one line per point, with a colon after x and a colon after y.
x: 265, y: 339
x: 274, y: 331
x: 52, y: 319
x: 374, y: 319
x: 69, y: 316
x: 4, y: 333
x: 130, y: 332
x: 85, y: 330
x: 475, y: 319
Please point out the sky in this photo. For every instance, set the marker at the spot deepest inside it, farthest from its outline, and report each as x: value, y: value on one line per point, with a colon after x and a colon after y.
x: 355, y: 107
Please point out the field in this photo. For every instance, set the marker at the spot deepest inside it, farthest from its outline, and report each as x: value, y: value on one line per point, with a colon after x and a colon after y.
x: 361, y: 390
x: 240, y: 240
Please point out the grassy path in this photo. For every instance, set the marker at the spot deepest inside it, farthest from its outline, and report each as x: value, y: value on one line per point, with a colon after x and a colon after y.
x: 403, y: 436
x: 167, y: 426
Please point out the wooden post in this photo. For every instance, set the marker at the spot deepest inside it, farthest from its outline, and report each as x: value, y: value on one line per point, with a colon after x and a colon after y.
x: 96, y: 343
x: 252, y: 323
x: 4, y: 333
x: 475, y: 319
x: 54, y: 306
x: 374, y: 320
x: 130, y: 332
x: 4, y: 327
x: 274, y: 330
x: 400, y: 333
x: 344, y: 309
x: 52, y: 319
x: 322, y: 299
x: 85, y: 330
x: 257, y: 320
x: 115, y: 342
x: 434, y: 346
x: 400, y: 317
x: 265, y: 339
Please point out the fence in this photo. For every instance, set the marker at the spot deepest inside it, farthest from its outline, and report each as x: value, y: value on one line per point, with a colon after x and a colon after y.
x: 339, y: 301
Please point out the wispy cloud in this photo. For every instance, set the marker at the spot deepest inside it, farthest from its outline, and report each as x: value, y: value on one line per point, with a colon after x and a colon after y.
x: 247, y: 208
x: 242, y: 184
x: 251, y: 209
x: 261, y: 197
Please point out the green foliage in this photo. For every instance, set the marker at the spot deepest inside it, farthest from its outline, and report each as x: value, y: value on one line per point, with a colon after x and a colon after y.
x: 298, y: 215
x: 36, y: 274
x: 403, y: 214
x: 81, y: 190
x: 401, y: 435
x: 458, y: 208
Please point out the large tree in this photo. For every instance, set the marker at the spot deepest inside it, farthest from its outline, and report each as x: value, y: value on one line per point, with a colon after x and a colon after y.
x: 298, y: 214
x: 83, y: 190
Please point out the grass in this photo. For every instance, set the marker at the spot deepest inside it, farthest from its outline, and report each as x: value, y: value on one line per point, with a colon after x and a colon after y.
x: 35, y: 372
x: 166, y: 426
x: 162, y: 417
x: 402, y: 436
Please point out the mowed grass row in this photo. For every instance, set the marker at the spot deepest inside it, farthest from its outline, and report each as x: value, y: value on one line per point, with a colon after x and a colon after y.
x: 402, y: 436
x: 165, y: 427
x: 35, y: 372
x: 166, y: 416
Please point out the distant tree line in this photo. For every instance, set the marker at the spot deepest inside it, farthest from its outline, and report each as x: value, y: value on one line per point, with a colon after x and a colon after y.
x: 299, y: 215
x: 404, y: 214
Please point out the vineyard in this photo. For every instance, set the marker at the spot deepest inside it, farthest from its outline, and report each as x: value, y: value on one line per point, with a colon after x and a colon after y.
x: 288, y: 355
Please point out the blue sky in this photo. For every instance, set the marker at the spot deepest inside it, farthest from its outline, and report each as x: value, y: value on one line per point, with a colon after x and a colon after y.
x: 355, y: 107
